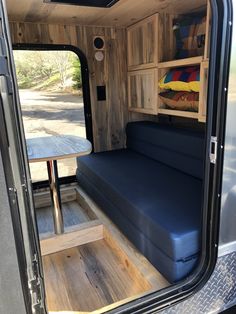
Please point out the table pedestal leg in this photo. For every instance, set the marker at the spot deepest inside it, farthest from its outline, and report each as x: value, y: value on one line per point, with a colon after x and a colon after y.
x: 56, y: 196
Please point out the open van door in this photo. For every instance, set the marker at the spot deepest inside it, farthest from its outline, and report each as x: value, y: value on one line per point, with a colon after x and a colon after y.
x: 13, y: 151
x: 211, y: 287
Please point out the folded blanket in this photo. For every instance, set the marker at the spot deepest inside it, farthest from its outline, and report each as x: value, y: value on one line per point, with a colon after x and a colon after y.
x: 190, y: 33
x: 182, y: 79
x: 180, y: 100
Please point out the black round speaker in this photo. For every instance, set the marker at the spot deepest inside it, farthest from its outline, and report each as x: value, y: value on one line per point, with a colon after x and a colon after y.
x: 98, y: 43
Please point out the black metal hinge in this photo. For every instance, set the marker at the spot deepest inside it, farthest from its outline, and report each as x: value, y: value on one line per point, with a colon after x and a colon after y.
x: 4, y: 68
x: 4, y: 72
x: 36, y: 289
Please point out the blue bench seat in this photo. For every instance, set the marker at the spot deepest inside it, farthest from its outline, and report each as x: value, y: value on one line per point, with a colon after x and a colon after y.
x: 158, y: 207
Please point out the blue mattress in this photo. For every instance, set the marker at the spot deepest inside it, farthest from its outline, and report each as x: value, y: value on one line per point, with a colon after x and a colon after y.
x: 173, y: 271
x: 158, y: 207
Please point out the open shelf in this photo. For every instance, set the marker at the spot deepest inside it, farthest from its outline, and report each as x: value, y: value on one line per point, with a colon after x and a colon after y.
x: 204, y: 65
x: 178, y: 113
x: 180, y: 62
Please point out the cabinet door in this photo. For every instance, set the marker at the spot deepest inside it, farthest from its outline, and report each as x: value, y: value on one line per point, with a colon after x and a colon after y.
x: 142, y: 91
x: 142, y: 44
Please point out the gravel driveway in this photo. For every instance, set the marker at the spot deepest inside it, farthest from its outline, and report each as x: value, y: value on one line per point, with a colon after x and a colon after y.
x: 50, y: 113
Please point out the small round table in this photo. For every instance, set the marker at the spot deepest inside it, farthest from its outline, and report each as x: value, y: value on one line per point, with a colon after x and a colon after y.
x: 51, y: 149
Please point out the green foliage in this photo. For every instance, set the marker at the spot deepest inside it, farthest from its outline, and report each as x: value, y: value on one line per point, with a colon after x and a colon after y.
x: 49, y: 83
x: 77, y: 79
x: 31, y: 67
x: 47, y: 69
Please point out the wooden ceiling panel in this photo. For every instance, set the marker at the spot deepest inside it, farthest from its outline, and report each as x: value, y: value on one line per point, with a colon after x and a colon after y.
x: 123, y: 13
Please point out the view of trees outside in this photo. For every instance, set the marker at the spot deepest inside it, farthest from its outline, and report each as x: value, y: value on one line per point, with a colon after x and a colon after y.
x: 50, y: 89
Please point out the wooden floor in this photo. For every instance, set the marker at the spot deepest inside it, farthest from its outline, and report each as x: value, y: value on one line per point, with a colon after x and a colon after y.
x: 87, y: 278
x: 92, y: 267
x: 72, y: 215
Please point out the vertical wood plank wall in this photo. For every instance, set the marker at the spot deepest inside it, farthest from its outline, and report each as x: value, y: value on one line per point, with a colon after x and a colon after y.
x: 110, y: 116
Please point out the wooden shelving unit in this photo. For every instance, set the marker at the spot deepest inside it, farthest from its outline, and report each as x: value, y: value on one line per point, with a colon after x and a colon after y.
x: 178, y: 113
x: 203, y: 89
x: 180, y: 62
x: 146, y: 66
x: 164, y: 67
x: 142, y: 91
x: 142, y: 65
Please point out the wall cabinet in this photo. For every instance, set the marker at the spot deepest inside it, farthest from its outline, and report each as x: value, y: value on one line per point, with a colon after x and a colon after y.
x: 151, y: 48
x: 142, y: 91
x: 142, y: 44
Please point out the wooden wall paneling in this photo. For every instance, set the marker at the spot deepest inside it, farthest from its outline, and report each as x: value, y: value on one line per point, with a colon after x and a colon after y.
x: 208, y: 31
x: 110, y: 116
x: 98, y: 77
x: 117, y: 87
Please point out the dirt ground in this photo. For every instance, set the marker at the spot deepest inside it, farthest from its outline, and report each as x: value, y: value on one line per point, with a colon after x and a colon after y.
x: 50, y: 113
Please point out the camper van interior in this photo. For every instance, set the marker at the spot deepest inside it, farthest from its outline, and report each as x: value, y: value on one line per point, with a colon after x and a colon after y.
x: 129, y: 221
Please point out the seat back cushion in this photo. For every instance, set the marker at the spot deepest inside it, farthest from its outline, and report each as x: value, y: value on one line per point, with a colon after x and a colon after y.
x: 175, y: 147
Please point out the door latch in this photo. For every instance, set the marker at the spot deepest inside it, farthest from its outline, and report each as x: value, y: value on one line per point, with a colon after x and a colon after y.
x: 213, y: 149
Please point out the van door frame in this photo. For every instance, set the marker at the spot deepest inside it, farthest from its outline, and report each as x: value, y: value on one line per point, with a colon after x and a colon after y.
x: 217, y: 100
x: 85, y: 89
x: 17, y: 177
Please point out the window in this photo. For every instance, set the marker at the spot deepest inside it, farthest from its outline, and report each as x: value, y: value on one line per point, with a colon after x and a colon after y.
x: 50, y: 87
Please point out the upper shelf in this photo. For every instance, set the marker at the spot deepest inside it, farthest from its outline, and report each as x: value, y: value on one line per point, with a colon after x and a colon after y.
x: 180, y: 62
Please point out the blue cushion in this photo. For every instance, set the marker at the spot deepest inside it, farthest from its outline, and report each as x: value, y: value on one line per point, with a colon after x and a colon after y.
x: 175, y: 147
x: 153, y: 192
x: 163, y: 203
x: 173, y: 271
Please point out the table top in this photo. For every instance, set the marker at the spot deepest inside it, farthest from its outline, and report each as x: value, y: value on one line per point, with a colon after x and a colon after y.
x: 57, y: 147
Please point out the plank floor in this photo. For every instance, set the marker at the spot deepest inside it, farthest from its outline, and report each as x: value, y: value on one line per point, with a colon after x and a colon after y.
x: 87, y: 278
x: 73, y: 215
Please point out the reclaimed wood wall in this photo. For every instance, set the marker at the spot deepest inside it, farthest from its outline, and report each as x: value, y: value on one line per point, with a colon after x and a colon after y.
x: 110, y: 116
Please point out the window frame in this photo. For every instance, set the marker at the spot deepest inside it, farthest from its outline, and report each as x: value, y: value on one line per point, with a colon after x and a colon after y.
x: 86, y: 96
